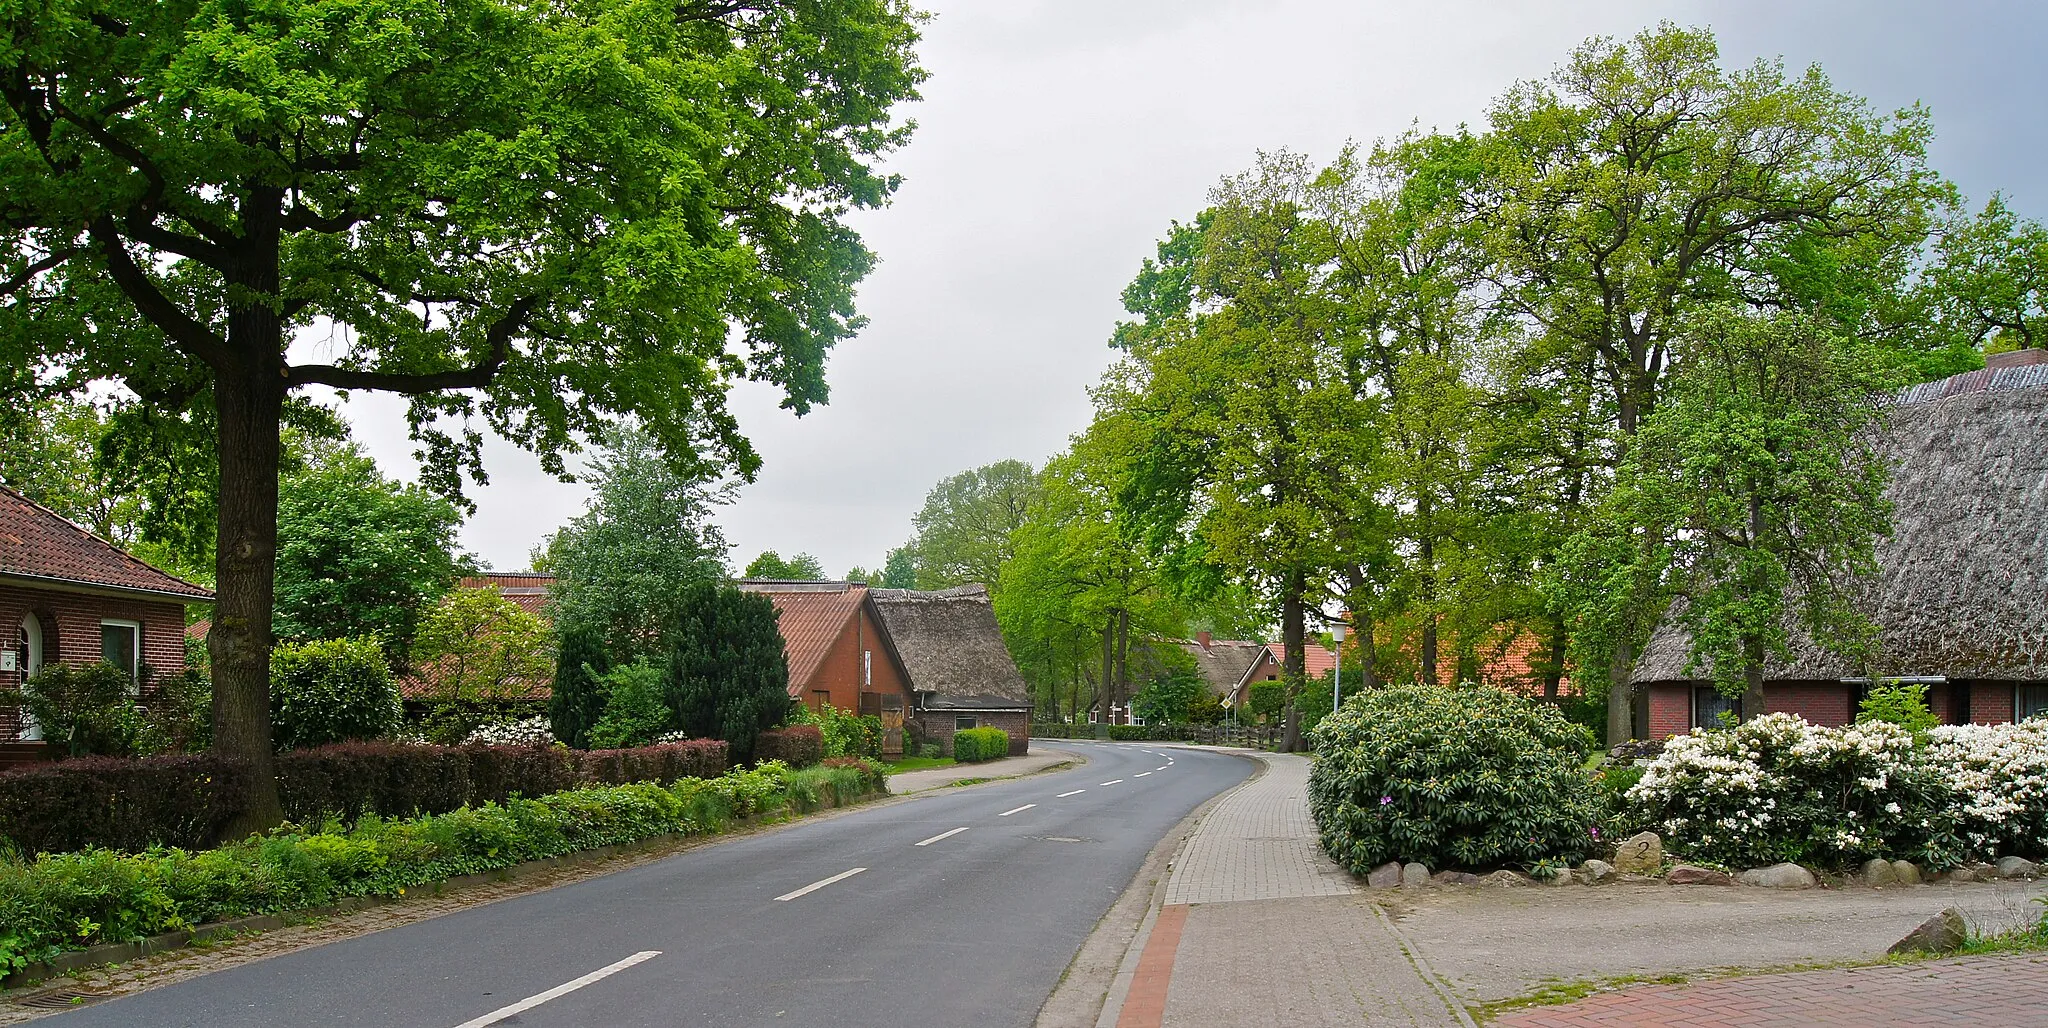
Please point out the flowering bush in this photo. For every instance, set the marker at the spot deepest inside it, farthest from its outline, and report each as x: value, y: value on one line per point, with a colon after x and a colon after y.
x: 1452, y: 778
x: 1999, y: 777
x: 1777, y: 788
x: 533, y: 731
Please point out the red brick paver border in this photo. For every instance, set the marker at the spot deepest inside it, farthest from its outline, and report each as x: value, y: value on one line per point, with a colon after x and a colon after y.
x: 2008, y: 991
x: 1145, y: 1007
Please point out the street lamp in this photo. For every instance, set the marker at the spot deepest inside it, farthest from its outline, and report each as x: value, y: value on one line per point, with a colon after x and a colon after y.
x: 1337, y: 680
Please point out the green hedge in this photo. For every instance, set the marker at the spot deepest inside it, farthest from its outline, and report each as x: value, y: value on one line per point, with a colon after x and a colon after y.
x: 977, y: 744
x: 71, y: 901
x: 1453, y: 778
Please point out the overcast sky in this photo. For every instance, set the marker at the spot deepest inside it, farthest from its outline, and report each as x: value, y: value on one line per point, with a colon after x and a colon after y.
x: 1058, y: 138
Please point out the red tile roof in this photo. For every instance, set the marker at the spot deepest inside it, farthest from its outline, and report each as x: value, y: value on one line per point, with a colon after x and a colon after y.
x: 37, y: 543
x: 528, y: 590
x: 814, y: 616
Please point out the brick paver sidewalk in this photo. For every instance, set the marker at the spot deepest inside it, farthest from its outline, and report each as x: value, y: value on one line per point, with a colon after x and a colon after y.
x: 1259, y: 844
x: 2008, y: 991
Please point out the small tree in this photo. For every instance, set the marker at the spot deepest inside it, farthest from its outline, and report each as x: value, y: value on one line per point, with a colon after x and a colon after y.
x: 580, y: 693
x: 478, y: 645
x: 1168, y: 698
x: 728, y: 677
x: 801, y: 568
x: 636, y: 708
x: 331, y: 690
x: 1757, y: 472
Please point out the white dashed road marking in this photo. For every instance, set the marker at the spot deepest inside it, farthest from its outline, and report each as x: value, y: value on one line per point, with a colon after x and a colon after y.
x: 563, y: 989
x: 941, y: 835
x: 1064, y: 795
x: 1014, y: 810
x: 815, y: 886
x: 1113, y: 781
x: 1141, y: 774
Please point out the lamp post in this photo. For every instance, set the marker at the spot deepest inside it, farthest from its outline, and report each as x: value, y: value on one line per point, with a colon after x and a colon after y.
x: 1337, y: 679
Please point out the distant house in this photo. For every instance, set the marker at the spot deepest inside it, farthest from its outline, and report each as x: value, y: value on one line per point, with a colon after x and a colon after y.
x: 1222, y: 663
x: 961, y: 674
x: 68, y: 595
x: 1960, y: 597
x: 838, y: 651
x: 1271, y: 662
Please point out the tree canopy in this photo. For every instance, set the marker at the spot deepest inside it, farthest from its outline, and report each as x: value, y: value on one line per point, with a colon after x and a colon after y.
x: 801, y: 568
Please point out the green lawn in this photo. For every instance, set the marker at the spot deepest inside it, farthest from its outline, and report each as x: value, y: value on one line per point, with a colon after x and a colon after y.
x: 917, y: 764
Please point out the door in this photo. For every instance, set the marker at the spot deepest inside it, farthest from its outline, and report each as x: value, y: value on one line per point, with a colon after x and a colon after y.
x: 29, y: 647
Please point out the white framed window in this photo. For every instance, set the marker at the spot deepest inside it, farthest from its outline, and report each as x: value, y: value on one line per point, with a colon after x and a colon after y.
x: 962, y: 722
x: 121, y: 646
x: 29, y: 650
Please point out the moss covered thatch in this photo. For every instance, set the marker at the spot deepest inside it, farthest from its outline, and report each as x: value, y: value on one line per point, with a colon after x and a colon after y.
x: 950, y: 646
x: 1962, y: 585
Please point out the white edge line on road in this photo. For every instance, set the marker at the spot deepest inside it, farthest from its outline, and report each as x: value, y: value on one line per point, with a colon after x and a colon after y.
x: 1064, y: 795
x: 815, y: 886
x: 1017, y: 810
x: 1113, y: 781
x: 1141, y: 774
x: 942, y: 835
x: 560, y: 990
x: 1162, y: 767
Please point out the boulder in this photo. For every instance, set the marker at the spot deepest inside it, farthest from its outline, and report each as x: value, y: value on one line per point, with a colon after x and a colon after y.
x: 1879, y: 872
x: 1686, y: 874
x: 1562, y: 877
x: 1504, y: 878
x: 1595, y: 871
x: 2017, y: 867
x: 1414, y: 875
x: 1907, y: 872
x: 1779, y: 876
x: 1942, y: 933
x: 1455, y: 878
x: 1640, y: 854
x: 1385, y: 876
x: 1962, y: 874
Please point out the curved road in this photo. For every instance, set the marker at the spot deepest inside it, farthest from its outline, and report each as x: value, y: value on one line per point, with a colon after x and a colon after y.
x: 966, y: 907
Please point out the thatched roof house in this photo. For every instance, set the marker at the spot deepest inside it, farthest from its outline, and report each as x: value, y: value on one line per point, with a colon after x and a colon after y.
x: 959, y: 669
x: 1961, y: 595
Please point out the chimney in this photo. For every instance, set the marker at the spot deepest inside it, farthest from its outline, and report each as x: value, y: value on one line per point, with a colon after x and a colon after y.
x: 2015, y: 358
x: 1203, y: 638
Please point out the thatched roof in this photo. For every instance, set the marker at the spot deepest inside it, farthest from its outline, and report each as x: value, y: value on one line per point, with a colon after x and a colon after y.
x: 1222, y: 663
x: 1962, y: 583
x: 951, y: 647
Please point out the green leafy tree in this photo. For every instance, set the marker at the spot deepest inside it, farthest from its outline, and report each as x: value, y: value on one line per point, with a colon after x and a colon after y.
x: 88, y: 709
x: 623, y: 566
x: 1168, y: 698
x: 728, y: 677
x: 542, y: 217
x: 580, y: 690
x: 964, y: 527
x: 477, y: 645
x: 359, y: 554
x: 1643, y: 181
x: 1991, y: 278
x: 801, y: 568
x: 897, y: 571
x: 1900, y: 703
x: 1757, y: 474
x: 636, y: 709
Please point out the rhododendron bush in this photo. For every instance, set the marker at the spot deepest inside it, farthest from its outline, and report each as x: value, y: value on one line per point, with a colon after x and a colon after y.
x: 1778, y: 788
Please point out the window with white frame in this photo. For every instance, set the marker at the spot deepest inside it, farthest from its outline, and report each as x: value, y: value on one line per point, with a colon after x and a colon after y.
x: 121, y: 646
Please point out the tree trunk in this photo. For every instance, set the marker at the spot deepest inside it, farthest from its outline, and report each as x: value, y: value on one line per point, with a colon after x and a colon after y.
x: 1105, y: 692
x: 1293, y: 632
x: 1553, y: 671
x: 1429, y: 669
x: 1123, y: 651
x: 248, y: 407
x: 1621, y: 719
x: 1752, y: 678
x: 1368, y: 651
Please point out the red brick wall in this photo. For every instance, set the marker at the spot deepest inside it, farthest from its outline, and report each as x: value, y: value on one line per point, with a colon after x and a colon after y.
x: 1990, y: 702
x: 839, y: 674
x: 1670, y: 710
x: 71, y: 631
x: 939, y: 726
x: 1823, y: 703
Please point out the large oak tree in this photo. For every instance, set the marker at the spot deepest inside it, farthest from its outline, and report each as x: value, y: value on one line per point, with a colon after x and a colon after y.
x: 537, y: 216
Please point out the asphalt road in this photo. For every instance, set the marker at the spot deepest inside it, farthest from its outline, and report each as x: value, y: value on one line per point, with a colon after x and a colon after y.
x: 968, y: 906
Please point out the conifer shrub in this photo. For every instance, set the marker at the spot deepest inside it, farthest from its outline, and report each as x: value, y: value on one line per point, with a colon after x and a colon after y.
x: 1452, y: 778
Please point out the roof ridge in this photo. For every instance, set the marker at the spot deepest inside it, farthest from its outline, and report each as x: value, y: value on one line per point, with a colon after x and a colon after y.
x: 127, y: 558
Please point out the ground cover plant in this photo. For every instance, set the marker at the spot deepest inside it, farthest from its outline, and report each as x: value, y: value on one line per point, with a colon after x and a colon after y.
x: 64, y: 901
x: 1469, y: 777
x: 1779, y: 788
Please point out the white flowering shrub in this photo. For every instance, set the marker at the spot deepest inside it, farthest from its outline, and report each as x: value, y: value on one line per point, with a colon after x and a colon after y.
x: 1999, y: 777
x: 1777, y: 788
x: 668, y: 737
x: 533, y: 731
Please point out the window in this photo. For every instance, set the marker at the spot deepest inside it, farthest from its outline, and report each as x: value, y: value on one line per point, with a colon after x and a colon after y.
x: 867, y: 667
x: 1708, y: 704
x: 121, y: 646
x: 963, y: 722
x: 2031, y: 701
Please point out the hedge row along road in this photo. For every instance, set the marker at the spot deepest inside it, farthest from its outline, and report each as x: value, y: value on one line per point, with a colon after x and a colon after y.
x: 960, y: 907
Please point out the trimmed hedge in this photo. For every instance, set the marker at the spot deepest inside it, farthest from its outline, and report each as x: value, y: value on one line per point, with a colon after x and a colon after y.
x: 187, y: 801
x: 795, y: 745
x: 69, y: 901
x: 977, y: 744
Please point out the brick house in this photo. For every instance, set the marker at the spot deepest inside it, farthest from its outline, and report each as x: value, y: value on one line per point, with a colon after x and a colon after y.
x: 960, y: 672
x: 68, y: 595
x: 1271, y: 662
x: 1960, y: 597
x: 839, y: 652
